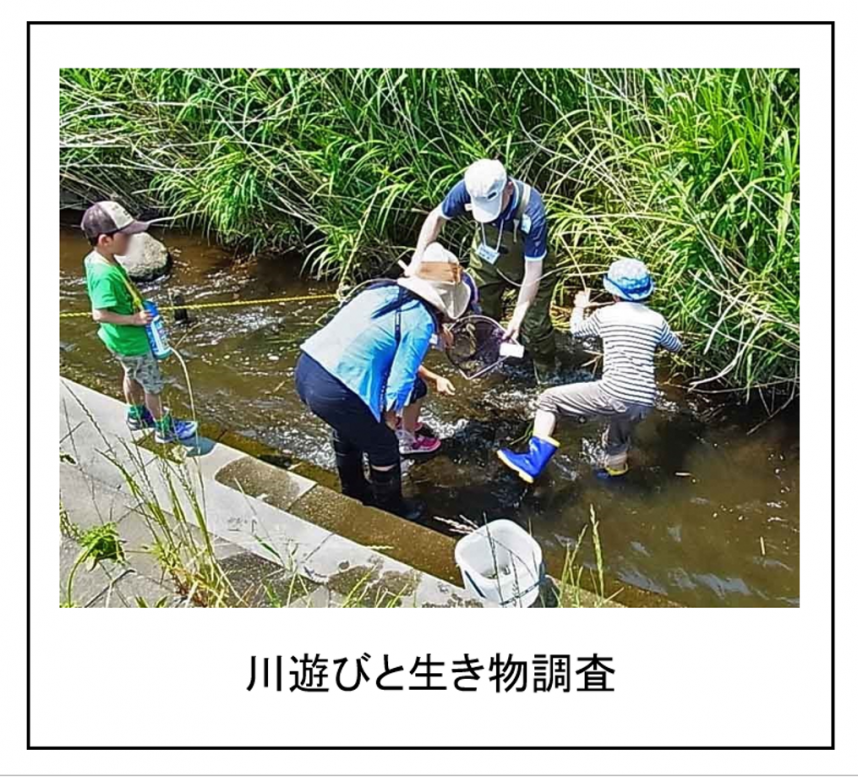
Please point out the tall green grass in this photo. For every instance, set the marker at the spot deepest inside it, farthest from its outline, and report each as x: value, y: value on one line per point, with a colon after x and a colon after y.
x: 695, y: 171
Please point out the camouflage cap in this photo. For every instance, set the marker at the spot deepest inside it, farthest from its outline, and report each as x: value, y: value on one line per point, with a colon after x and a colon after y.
x: 108, y: 218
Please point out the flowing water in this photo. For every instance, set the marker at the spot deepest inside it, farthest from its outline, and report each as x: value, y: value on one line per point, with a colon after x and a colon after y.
x: 709, y: 516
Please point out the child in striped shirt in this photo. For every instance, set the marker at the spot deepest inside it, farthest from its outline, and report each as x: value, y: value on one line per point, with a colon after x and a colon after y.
x: 625, y: 395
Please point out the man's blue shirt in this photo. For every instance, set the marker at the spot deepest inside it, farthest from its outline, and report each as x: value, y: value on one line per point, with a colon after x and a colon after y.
x: 536, y: 236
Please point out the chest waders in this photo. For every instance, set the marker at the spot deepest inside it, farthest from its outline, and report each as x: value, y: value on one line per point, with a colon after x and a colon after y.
x: 508, y: 273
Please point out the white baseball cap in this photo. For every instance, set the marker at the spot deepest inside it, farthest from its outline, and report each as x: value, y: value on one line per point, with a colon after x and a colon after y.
x: 485, y: 180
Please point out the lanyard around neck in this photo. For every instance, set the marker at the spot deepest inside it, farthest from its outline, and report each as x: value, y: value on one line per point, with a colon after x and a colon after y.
x: 513, y: 205
x: 500, y: 235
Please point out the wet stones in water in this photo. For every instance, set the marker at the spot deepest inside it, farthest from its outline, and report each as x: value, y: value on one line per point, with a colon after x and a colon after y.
x: 147, y: 258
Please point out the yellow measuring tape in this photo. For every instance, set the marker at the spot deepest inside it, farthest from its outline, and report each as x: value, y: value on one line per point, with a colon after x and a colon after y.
x: 233, y: 304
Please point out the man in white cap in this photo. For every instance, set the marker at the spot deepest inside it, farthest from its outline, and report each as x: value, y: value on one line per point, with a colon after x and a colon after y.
x: 510, y: 250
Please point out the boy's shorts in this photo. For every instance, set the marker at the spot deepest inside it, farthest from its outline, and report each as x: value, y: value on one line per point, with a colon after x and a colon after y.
x: 589, y: 400
x: 144, y: 370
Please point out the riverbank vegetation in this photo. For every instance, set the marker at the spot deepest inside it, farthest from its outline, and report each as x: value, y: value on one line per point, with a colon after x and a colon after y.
x: 694, y: 171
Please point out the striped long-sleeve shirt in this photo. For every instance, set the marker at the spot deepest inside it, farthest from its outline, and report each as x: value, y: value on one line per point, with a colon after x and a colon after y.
x: 630, y: 334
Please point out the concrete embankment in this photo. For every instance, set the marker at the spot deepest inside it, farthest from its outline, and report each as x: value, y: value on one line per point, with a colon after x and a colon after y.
x: 277, y: 535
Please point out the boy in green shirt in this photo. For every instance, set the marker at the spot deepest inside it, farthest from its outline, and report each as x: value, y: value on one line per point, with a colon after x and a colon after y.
x: 118, y: 309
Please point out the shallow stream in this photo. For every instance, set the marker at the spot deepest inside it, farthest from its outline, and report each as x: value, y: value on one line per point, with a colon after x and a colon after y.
x: 709, y: 516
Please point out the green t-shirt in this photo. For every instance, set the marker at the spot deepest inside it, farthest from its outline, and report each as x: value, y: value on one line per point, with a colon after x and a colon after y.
x: 108, y: 290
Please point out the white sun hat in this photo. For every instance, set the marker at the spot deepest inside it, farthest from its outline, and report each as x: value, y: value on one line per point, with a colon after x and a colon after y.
x: 485, y: 181
x: 438, y: 280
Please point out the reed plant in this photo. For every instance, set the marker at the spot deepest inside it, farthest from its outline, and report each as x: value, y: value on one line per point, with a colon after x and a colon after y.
x: 570, y: 591
x: 694, y: 171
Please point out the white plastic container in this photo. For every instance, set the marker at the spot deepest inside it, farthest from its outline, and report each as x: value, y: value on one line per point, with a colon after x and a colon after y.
x: 502, y: 563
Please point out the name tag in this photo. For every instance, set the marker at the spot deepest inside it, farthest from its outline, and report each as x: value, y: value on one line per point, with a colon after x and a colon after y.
x: 487, y: 253
x: 525, y: 224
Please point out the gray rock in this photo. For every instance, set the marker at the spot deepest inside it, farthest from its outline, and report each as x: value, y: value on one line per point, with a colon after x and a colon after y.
x: 147, y: 258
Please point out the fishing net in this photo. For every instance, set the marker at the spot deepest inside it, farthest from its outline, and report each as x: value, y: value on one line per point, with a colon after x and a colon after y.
x: 478, y: 346
x: 477, y: 341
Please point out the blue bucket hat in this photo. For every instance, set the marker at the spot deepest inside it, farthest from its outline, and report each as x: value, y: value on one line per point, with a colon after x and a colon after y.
x: 629, y: 279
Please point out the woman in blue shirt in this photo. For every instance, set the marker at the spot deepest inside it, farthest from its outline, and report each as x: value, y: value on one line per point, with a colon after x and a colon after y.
x: 358, y: 372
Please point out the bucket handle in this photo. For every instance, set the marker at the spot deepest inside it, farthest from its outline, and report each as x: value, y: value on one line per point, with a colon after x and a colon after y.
x: 474, y: 584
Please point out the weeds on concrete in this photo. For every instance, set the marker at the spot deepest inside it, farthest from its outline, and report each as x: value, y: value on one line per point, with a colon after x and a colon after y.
x: 161, y: 602
x: 186, y: 557
x: 187, y: 560
x: 569, y: 592
x: 100, y: 543
x: 170, y: 499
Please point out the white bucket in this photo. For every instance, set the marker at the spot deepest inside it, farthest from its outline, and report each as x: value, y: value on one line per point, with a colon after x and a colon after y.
x: 501, y: 562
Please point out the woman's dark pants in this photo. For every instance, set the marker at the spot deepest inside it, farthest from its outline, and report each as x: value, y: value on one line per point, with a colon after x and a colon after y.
x: 355, y: 429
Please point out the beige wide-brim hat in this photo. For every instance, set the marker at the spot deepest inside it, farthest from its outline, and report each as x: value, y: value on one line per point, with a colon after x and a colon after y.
x: 438, y: 280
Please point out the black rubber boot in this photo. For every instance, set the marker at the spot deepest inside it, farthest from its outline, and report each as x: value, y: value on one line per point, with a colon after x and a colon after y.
x: 350, y: 469
x: 545, y: 370
x: 387, y: 494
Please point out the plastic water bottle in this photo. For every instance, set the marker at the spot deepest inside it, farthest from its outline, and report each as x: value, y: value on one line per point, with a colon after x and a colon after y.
x: 156, y: 331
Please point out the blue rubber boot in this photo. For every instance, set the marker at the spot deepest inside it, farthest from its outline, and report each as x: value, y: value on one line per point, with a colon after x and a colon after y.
x: 529, y: 465
x: 171, y: 429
